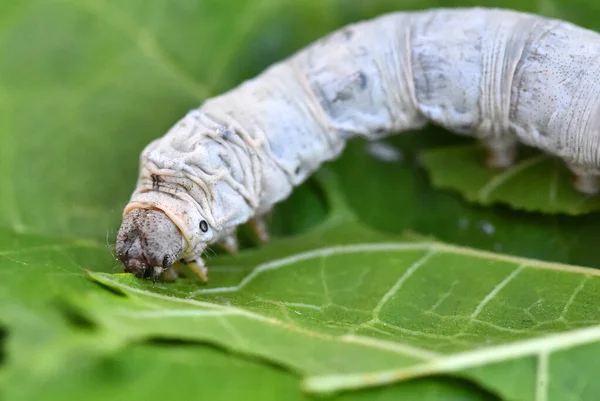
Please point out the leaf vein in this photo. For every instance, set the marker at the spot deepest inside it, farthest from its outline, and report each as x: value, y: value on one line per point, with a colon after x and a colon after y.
x: 496, y: 290
x: 543, y: 377
x: 573, y: 296
x: 501, y: 178
x: 407, y: 274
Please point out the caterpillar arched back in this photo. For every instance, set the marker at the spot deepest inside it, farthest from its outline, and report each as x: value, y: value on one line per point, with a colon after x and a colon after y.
x: 503, y: 77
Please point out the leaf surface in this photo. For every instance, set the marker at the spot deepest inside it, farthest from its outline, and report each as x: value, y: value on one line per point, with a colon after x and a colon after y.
x: 370, y: 313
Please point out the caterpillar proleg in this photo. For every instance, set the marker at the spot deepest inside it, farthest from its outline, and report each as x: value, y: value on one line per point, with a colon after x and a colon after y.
x: 503, y: 77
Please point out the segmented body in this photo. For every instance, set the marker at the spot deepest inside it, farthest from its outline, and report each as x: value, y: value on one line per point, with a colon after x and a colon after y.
x: 501, y: 76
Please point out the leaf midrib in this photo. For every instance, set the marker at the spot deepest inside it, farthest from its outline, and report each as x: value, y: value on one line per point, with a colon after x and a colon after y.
x: 540, y: 347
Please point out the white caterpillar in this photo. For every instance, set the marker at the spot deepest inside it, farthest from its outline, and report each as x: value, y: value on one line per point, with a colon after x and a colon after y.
x: 501, y: 76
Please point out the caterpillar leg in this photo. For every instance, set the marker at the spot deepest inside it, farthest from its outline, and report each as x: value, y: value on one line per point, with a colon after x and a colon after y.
x: 200, y: 269
x: 585, y: 179
x: 259, y: 226
x: 170, y: 274
x: 230, y: 244
x: 501, y: 152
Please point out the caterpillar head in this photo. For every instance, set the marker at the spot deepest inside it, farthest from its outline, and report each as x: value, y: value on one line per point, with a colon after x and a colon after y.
x: 148, y: 242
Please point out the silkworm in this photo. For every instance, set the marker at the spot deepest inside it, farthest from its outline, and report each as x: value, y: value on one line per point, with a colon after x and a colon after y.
x: 500, y: 76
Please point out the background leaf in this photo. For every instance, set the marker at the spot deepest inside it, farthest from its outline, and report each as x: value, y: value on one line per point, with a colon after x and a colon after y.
x: 85, y: 85
x: 536, y: 182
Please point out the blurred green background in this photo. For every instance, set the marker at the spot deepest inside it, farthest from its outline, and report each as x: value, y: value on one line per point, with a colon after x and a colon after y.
x: 86, y: 84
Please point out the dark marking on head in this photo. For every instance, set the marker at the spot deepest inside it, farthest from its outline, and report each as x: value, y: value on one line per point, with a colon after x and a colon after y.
x: 146, y: 241
x: 170, y: 195
x: 348, y: 33
x: 156, y: 180
x: 297, y: 171
x: 204, y: 226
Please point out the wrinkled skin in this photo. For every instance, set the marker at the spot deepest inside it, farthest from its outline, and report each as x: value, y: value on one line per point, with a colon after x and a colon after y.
x: 148, y: 243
